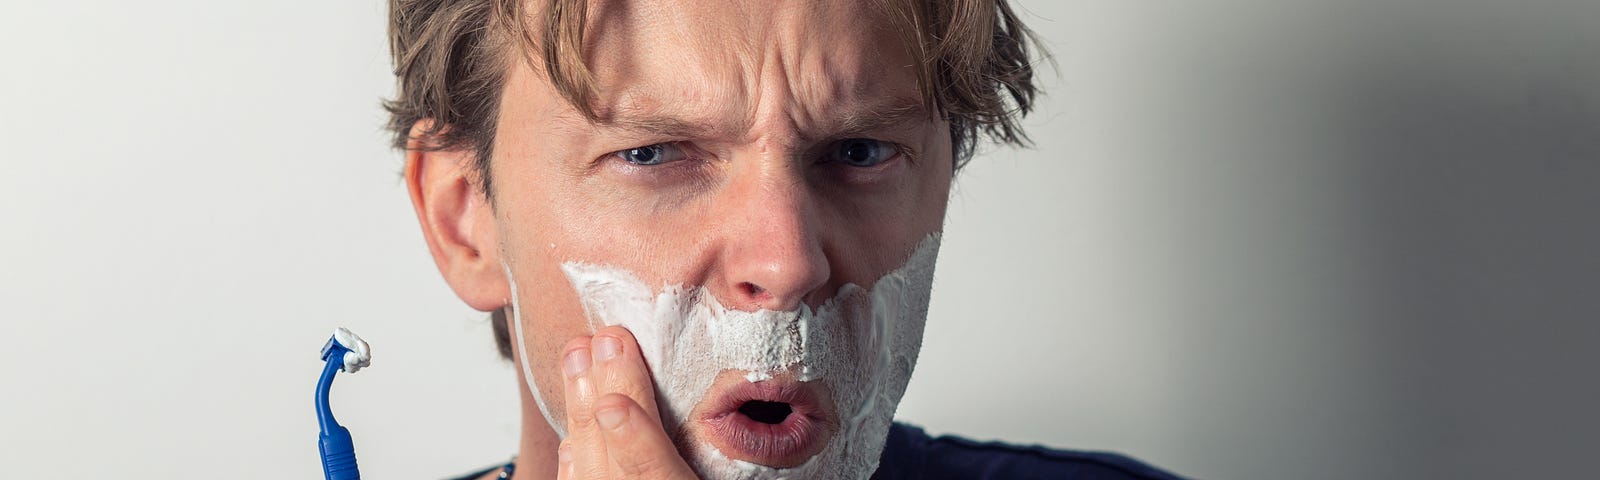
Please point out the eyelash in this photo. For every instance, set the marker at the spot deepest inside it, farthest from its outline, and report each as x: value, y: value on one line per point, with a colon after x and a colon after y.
x: 843, y: 147
x: 654, y: 151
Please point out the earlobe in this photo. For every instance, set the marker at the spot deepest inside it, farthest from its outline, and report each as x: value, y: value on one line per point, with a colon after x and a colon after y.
x: 457, y: 221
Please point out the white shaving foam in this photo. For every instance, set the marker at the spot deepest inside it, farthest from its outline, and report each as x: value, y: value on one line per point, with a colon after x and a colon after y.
x: 862, y: 344
x: 359, y: 356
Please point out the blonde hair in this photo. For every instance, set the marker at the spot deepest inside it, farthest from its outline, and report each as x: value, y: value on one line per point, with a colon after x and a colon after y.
x: 451, y: 56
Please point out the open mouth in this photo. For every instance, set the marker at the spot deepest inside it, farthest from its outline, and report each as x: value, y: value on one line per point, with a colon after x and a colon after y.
x: 777, y: 423
x: 770, y: 413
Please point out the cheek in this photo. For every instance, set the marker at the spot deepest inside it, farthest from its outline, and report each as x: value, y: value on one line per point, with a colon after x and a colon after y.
x: 940, y: 164
x: 548, y: 318
x: 874, y: 235
x: 932, y: 195
x: 536, y: 237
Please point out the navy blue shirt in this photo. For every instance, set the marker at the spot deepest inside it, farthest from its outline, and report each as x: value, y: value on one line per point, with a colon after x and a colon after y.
x: 911, y: 454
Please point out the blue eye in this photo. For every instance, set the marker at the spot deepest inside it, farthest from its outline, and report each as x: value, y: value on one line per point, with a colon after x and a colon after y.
x: 650, y: 154
x: 862, y: 152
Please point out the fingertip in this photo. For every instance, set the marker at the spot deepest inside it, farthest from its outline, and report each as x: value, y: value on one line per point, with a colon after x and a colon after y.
x: 612, y: 411
x: 619, y: 332
x: 576, y: 361
x: 576, y: 343
x: 606, y: 347
x: 565, y: 467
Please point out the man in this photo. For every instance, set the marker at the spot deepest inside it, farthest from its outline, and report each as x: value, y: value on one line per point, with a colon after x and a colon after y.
x: 706, y: 229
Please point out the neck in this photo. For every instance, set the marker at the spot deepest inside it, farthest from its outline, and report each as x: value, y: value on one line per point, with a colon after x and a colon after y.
x: 536, y: 456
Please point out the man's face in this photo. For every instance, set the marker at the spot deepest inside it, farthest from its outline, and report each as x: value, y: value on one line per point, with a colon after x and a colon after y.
x: 765, y: 153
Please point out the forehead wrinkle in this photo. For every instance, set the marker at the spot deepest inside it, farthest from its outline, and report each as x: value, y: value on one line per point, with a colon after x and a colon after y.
x: 790, y: 72
x: 836, y: 73
x: 671, y: 68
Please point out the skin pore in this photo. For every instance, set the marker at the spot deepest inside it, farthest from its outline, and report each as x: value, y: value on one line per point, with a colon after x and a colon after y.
x: 769, y: 151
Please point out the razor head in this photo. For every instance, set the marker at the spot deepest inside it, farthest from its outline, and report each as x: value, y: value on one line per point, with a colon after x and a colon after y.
x: 333, y: 348
x: 350, y: 349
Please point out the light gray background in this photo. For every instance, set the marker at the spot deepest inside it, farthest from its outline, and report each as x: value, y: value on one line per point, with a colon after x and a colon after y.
x: 1258, y: 239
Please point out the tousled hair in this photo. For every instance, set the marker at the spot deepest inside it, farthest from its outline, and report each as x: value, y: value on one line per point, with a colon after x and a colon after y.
x: 451, y: 56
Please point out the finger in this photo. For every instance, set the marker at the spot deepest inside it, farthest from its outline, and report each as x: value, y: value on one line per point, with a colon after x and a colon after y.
x: 564, y: 464
x: 636, y: 442
x: 619, y: 368
x: 585, y: 443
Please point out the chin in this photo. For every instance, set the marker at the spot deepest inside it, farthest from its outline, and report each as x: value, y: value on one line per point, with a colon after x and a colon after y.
x: 779, y: 427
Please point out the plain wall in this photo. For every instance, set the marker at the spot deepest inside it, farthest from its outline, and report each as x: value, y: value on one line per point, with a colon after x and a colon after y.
x: 1257, y: 239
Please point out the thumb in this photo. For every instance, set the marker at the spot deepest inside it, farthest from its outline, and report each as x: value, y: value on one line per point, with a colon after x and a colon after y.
x: 638, y: 445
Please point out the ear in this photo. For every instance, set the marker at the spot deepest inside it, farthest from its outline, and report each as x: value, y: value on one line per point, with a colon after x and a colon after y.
x: 457, y: 220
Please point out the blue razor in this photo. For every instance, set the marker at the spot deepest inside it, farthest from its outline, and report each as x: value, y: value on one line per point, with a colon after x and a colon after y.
x: 344, y: 351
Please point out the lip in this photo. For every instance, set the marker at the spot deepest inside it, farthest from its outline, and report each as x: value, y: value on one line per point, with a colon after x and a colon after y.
x: 787, y: 443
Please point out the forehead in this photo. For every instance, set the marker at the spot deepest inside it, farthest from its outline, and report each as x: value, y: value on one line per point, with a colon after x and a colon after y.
x: 739, y: 63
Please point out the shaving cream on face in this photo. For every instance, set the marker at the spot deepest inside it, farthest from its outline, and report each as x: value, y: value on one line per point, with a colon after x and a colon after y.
x: 862, y: 344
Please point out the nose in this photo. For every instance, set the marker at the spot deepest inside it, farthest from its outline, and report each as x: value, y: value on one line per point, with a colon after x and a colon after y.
x: 772, y: 256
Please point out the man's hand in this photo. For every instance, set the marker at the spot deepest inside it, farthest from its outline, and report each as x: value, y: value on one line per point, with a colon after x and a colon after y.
x: 613, y: 427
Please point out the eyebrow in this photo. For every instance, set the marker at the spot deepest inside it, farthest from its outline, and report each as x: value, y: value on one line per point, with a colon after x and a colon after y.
x: 893, y: 112
x: 662, y: 125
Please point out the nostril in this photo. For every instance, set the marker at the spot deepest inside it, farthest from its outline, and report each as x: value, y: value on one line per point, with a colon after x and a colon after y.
x: 753, y: 291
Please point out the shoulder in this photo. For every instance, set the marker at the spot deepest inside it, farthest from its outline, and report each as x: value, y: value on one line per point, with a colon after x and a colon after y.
x: 911, y: 453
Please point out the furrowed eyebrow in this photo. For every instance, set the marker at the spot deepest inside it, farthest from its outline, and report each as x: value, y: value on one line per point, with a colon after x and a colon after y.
x: 661, y: 126
x: 893, y: 114
x: 855, y: 122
